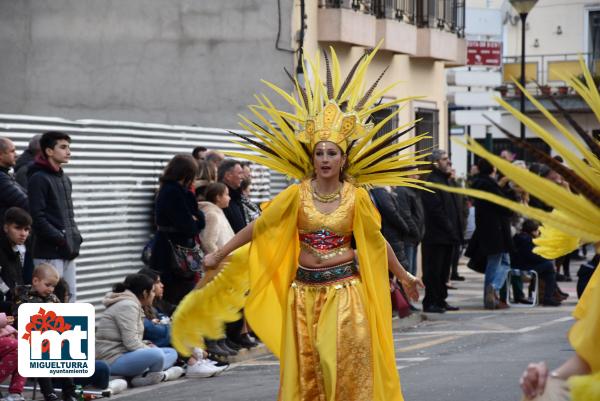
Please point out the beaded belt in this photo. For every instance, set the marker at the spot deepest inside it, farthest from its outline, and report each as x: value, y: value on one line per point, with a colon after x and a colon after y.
x: 325, y: 244
x: 326, y: 275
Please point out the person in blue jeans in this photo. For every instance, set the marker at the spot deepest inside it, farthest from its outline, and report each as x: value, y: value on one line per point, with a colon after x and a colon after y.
x: 492, y: 238
x: 120, y: 331
x: 525, y: 259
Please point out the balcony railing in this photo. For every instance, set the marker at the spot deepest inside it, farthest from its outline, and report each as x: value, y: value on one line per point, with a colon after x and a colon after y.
x: 448, y: 15
x: 546, y: 70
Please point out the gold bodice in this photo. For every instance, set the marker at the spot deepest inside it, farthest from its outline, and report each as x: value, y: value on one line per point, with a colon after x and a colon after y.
x: 325, y: 234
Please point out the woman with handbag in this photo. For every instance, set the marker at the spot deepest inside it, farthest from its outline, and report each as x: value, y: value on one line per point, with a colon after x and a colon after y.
x: 314, y: 279
x: 176, y: 253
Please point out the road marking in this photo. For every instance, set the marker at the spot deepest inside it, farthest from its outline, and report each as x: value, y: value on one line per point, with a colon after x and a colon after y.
x: 427, y: 344
x: 411, y: 359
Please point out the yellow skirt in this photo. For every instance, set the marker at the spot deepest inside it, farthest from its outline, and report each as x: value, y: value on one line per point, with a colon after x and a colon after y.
x: 327, y: 343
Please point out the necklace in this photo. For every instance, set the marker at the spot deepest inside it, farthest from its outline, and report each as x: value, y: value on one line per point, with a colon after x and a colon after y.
x: 325, y: 198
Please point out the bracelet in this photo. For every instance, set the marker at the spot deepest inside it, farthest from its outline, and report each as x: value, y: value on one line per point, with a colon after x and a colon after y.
x: 409, y: 277
x: 219, y: 256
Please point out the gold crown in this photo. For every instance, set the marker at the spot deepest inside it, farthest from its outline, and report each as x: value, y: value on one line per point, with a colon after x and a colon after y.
x: 332, y: 125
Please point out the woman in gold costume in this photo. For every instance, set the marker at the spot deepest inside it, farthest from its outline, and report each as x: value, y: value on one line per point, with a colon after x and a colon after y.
x: 575, y: 219
x: 315, y: 265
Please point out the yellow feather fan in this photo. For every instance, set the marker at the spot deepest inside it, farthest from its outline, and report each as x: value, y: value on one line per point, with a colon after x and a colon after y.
x: 576, y: 214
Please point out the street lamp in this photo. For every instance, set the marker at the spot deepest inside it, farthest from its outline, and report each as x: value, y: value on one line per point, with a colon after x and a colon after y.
x: 523, y: 7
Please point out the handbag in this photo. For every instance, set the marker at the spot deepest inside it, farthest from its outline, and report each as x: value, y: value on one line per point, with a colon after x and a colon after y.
x: 399, y: 302
x: 146, y: 255
x: 188, y: 259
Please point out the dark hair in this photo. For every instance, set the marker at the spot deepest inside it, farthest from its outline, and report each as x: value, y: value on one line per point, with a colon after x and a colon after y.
x: 62, y: 290
x: 485, y: 167
x: 49, y: 140
x: 181, y: 167
x: 136, y: 283
x: 17, y: 216
x: 245, y: 184
x: 153, y: 274
x: 529, y: 226
x: 197, y: 150
x: 226, y: 166
x: 206, y: 171
x: 213, y: 190
x: 558, y: 158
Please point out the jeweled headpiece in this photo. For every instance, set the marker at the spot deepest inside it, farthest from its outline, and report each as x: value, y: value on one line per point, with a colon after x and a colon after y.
x: 335, y: 111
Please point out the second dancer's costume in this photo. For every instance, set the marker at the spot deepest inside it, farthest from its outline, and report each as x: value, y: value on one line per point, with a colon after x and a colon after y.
x: 331, y: 328
x: 576, y: 209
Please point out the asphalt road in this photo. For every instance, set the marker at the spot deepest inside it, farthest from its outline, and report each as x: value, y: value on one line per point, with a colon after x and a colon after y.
x: 470, y: 355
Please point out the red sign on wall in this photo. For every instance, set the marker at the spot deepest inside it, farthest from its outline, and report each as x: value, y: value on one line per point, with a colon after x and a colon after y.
x: 484, y: 53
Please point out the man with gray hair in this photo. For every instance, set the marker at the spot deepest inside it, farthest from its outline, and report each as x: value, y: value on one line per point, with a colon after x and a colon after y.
x: 12, y: 193
x: 443, y: 231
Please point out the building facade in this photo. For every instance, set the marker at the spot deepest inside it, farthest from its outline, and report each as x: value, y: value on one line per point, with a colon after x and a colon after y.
x: 420, y: 38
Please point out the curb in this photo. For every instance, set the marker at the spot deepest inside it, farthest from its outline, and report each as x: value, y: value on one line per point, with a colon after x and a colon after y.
x: 409, y: 321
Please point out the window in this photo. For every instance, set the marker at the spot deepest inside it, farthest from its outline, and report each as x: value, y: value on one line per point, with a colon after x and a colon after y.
x: 381, y: 115
x: 430, y: 123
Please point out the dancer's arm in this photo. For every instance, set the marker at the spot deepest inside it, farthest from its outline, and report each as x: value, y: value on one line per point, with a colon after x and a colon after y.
x: 240, y: 239
x: 410, y: 283
x: 533, y: 380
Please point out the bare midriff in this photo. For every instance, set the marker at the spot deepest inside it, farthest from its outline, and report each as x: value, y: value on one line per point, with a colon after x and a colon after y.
x: 309, y: 260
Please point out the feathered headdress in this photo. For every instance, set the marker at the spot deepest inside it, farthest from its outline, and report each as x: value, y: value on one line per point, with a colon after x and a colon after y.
x: 337, y: 111
x: 576, y: 214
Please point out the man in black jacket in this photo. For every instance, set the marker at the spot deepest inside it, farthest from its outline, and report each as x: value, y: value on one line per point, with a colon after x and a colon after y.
x: 12, y: 193
x: 231, y: 173
x: 443, y: 231
x: 57, y: 238
x: 410, y: 202
x: 492, y: 237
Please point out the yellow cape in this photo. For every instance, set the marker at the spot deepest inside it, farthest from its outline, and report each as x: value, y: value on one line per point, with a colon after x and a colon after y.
x: 271, y: 260
x: 584, y: 336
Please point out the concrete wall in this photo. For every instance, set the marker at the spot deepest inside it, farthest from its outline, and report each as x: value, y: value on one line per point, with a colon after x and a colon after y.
x: 164, y: 61
x: 543, y: 20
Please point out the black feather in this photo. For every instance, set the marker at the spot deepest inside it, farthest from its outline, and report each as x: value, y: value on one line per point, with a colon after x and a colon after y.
x: 589, y: 141
x: 383, y: 144
x: 576, y: 182
x: 350, y: 76
x: 302, y: 90
x: 368, y: 94
x: 329, y: 80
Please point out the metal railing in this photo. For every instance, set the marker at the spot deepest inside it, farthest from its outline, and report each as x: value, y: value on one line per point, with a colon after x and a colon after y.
x: 544, y: 64
x: 448, y: 15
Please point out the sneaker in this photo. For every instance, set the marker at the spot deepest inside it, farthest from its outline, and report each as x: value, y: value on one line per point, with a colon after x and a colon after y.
x: 117, y: 386
x: 223, y: 345
x: 213, y: 348
x: 147, y: 379
x: 202, y: 369
x: 51, y: 397
x: 198, y: 353
x: 15, y: 397
x: 173, y: 373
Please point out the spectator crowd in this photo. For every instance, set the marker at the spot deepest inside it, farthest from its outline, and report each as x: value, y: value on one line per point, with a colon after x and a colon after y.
x: 203, y: 199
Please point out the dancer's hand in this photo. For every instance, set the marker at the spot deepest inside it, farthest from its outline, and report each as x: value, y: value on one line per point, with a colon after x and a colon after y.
x: 411, y: 287
x: 210, y: 261
x: 533, y: 379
